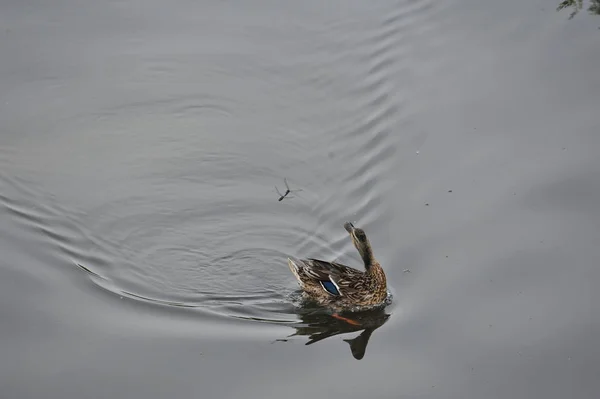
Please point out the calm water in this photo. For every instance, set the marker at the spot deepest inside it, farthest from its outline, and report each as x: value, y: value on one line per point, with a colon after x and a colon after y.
x: 143, y: 249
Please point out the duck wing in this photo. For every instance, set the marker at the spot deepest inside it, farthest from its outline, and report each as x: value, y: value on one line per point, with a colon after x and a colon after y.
x: 335, y: 278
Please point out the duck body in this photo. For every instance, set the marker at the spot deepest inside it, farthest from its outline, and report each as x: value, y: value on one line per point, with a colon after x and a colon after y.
x: 342, y: 287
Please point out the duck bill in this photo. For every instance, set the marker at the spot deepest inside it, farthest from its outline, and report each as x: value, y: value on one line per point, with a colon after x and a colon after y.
x: 349, y: 227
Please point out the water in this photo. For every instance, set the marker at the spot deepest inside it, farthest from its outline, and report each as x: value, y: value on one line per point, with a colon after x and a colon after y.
x: 144, y: 252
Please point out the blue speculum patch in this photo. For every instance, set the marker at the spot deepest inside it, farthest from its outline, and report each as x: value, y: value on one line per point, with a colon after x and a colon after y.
x: 330, y: 287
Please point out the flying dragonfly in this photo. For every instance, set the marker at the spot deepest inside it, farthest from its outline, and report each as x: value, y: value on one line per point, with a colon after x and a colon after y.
x: 287, y: 191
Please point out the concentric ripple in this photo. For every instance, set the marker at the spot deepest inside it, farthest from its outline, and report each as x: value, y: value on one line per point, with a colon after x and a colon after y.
x: 178, y: 206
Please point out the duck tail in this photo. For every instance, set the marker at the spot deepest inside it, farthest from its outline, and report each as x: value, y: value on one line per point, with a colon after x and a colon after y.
x: 294, y: 269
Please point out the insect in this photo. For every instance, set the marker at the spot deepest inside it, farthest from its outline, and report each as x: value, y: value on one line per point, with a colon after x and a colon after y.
x: 287, y: 191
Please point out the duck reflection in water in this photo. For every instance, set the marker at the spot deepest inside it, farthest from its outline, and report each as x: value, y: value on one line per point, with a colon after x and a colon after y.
x: 318, y: 325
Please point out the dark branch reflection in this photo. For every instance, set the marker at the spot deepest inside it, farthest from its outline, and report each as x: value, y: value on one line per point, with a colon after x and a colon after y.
x: 317, y: 326
x: 576, y: 5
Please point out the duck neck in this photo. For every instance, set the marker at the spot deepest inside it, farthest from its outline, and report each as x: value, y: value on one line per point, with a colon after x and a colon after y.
x: 368, y: 258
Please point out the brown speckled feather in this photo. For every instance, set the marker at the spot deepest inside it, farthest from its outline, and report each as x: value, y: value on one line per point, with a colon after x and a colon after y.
x: 339, y: 286
x: 356, y: 287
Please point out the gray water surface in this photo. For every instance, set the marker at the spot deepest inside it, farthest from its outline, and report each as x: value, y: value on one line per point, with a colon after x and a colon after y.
x: 143, y: 252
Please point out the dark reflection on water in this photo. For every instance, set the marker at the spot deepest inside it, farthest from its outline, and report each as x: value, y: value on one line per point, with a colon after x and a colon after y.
x: 576, y: 5
x: 317, y: 326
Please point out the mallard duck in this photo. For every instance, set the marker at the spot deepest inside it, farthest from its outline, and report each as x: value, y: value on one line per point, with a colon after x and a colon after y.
x: 342, y: 287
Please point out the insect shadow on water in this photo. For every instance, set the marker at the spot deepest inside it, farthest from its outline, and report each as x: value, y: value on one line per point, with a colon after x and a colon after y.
x: 318, y: 325
x: 287, y: 191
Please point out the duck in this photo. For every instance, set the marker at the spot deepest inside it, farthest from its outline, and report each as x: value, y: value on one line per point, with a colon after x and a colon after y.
x: 340, y: 287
